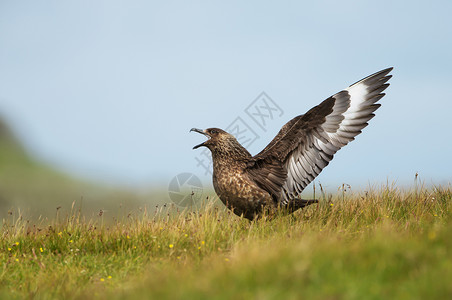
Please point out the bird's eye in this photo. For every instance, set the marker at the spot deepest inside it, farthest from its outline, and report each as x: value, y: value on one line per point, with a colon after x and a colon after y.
x: 213, y: 131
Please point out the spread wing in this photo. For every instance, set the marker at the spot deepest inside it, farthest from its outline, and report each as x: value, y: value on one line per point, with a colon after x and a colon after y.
x: 307, y: 143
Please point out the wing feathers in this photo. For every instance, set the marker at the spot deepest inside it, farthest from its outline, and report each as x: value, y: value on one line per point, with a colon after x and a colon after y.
x: 307, y: 143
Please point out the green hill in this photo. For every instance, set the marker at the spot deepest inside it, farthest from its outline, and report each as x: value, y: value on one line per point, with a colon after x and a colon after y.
x: 33, y: 190
x: 11, y: 152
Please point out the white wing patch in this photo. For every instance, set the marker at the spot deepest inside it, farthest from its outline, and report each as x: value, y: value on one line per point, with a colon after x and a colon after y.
x: 353, y: 108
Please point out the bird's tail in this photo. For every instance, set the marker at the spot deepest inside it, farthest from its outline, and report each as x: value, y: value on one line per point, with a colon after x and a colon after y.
x: 297, y: 203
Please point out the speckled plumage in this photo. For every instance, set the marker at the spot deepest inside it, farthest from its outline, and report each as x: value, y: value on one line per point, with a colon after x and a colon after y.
x: 231, y: 180
x: 276, y: 176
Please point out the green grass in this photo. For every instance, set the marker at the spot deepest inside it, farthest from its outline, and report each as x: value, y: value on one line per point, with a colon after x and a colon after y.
x: 386, y: 243
x: 63, y: 238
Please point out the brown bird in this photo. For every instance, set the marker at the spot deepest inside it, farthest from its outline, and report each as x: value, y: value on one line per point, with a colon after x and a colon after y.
x: 274, y: 178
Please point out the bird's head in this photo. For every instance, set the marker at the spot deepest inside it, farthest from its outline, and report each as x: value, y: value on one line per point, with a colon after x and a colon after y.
x: 222, y: 144
x: 216, y: 137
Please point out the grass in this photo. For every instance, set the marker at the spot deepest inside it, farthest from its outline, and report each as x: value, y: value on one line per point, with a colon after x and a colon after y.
x: 112, y: 244
x: 385, y: 243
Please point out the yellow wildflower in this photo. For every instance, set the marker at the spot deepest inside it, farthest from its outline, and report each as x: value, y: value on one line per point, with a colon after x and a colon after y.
x: 17, y: 243
x: 171, y: 245
x: 42, y: 250
x: 109, y: 277
x: 102, y: 279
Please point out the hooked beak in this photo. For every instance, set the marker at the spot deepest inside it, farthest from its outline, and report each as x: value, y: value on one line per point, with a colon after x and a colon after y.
x: 201, y: 132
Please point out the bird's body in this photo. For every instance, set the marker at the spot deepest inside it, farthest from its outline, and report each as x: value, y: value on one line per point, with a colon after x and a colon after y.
x: 276, y: 176
x: 233, y: 184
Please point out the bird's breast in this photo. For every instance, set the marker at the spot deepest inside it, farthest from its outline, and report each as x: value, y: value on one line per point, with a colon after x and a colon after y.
x: 237, y: 191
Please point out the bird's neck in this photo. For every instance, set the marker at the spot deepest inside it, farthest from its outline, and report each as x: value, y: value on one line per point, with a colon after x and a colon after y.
x: 230, y: 153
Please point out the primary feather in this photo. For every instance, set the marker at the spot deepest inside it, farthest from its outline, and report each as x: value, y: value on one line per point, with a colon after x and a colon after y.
x: 307, y: 143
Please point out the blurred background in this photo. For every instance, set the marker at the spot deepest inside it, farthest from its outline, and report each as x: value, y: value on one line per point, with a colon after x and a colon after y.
x: 97, y: 98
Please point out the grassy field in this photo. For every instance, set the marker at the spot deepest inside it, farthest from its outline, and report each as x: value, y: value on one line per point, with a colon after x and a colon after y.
x: 66, y: 239
x: 385, y: 243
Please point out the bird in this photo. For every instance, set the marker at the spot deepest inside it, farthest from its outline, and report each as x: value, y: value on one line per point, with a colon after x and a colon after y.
x: 274, y: 178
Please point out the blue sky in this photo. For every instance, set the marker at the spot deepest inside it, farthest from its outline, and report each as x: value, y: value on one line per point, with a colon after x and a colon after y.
x: 108, y: 90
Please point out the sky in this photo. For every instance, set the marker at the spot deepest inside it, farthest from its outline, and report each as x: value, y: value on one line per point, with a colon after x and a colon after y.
x: 108, y: 90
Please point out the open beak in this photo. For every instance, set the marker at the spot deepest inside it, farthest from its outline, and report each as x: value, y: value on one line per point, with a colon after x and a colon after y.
x: 201, y: 132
